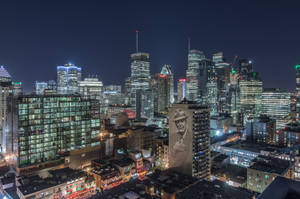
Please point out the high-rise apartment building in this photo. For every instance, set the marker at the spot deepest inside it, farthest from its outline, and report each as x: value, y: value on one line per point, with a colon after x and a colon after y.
x: 189, y: 139
x: 276, y: 104
x: 181, y: 89
x: 68, y: 77
x: 45, y: 127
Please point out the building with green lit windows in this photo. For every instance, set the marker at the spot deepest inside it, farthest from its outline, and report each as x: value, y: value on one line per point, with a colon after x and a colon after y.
x: 50, y: 126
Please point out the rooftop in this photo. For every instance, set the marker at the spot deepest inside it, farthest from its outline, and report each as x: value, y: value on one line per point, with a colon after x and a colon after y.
x: 281, y: 188
x: 169, y: 181
x: 233, y: 172
x: 270, y: 164
x: 253, y: 147
x: 293, y: 127
x: 123, y: 162
x: 215, y: 189
x: 133, y: 189
x: 105, y: 170
x: 35, y: 183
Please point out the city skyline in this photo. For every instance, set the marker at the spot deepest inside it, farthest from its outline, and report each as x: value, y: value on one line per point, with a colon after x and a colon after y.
x: 39, y: 37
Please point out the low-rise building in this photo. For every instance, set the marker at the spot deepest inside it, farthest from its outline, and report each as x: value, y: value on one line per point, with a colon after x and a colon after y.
x: 106, y: 175
x: 289, y: 135
x: 264, y: 170
x: 261, y: 130
x: 162, y: 153
x: 61, y: 183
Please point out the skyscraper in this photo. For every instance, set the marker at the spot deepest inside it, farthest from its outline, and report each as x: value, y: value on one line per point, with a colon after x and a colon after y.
x: 250, y: 96
x: 140, y: 78
x: 160, y: 86
x: 91, y: 88
x: 40, y: 87
x: 212, y: 96
x: 127, y: 86
x: 68, y: 77
x: 245, y: 67
x: 5, y: 91
x: 181, y: 89
x: 297, y: 67
x: 193, y: 75
x: 222, y: 70
x: 189, y: 139
x: 234, y: 97
x: 166, y: 70
x: 276, y: 105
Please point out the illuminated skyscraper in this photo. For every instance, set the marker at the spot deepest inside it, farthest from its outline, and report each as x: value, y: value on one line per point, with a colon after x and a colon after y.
x: 5, y: 91
x: 212, y: 96
x: 140, y: 78
x: 222, y: 70
x: 212, y: 92
x: 40, y: 87
x: 68, y: 77
x: 250, y: 96
x: 166, y: 70
x: 127, y: 86
x: 297, y: 67
x: 181, y: 89
x: 276, y: 105
x: 193, y: 75
x: 189, y: 139
x: 91, y: 88
x: 234, y: 97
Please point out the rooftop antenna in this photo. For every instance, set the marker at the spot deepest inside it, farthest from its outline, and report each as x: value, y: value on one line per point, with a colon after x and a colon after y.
x: 137, y: 40
x: 189, y: 44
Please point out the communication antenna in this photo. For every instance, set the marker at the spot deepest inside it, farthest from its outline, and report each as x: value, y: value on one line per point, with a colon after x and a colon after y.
x: 189, y: 44
x: 137, y: 40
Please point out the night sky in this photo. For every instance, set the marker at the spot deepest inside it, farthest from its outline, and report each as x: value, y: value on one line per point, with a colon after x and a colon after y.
x: 36, y: 36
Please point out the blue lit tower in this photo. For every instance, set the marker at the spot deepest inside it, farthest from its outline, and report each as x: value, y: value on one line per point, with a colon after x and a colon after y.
x: 68, y: 77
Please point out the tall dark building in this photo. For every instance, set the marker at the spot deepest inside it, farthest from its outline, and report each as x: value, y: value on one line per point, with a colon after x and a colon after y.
x: 189, y: 139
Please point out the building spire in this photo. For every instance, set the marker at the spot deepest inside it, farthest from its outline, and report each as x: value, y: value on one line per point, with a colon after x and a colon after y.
x: 189, y: 44
x: 137, y: 40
